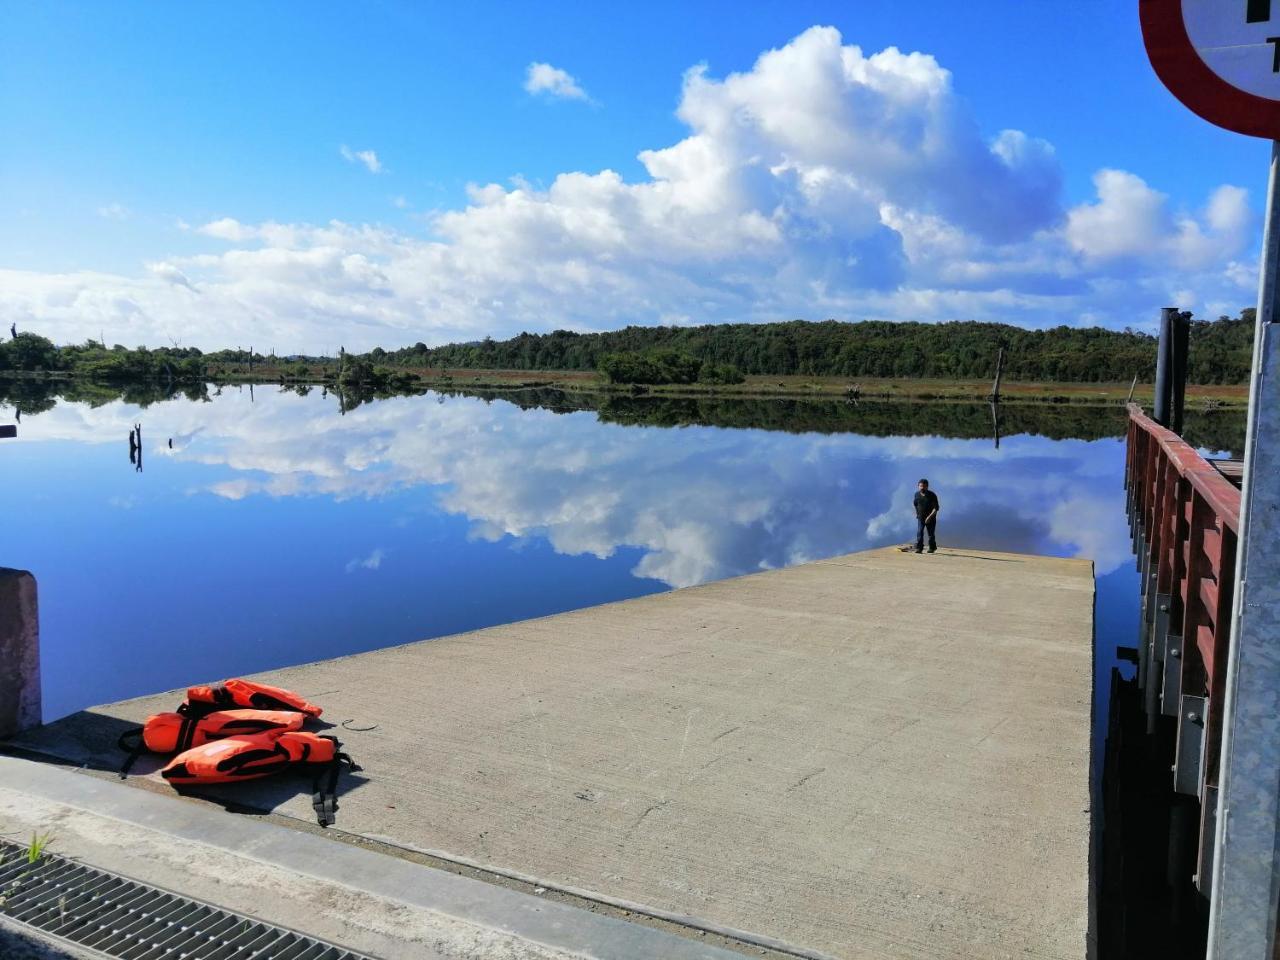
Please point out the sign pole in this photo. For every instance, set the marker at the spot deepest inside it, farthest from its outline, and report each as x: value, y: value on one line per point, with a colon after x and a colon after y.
x: 1246, y: 865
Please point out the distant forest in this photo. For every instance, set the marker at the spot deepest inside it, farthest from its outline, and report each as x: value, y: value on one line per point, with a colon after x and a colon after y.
x: 1221, y: 350
x: 1221, y: 353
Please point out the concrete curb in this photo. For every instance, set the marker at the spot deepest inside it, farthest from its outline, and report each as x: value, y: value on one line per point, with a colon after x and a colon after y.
x: 73, y: 800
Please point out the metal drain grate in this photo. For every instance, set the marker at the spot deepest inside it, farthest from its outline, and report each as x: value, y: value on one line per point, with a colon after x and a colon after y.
x: 122, y: 918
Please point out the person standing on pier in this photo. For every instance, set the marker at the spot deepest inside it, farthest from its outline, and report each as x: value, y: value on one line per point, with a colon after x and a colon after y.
x: 926, y: 504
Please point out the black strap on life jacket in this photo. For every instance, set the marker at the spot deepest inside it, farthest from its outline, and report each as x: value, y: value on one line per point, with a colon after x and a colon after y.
x: 224, y: 698
x: 241, y: 728
x: 197, y: 709
x: 265, y: 701
x: 324, y: 797
x: 134, y: 750
x: 186, y: 734
x: 235, y: 764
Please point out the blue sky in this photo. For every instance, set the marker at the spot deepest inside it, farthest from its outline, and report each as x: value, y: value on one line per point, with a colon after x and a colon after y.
x: 132, y: 130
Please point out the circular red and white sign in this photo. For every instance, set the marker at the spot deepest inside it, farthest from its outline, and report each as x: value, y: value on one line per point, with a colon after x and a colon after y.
x: 1219, y: 57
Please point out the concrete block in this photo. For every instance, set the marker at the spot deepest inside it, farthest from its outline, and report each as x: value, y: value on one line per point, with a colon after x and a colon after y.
x: 19, y: 652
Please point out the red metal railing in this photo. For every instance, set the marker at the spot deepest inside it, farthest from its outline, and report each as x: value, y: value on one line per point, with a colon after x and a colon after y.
x: 1185, y: 517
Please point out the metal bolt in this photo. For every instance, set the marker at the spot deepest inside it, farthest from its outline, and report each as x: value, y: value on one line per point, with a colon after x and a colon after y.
x: 1175, y: 652
x: 1164, y: 608
x: 1193, y: 717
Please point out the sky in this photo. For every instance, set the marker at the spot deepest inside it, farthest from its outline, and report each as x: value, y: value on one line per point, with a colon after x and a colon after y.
x: 301, y: 177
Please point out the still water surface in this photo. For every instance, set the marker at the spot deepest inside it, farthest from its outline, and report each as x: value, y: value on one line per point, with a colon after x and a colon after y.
x: 280, y: 529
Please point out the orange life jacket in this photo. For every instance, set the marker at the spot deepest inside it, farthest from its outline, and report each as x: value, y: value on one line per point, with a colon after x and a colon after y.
x: 248, y: 693
x: 176, y: 732
x: 251, y: 757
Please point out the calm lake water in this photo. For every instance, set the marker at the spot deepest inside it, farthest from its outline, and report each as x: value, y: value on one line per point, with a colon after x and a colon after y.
x: 281, y: 528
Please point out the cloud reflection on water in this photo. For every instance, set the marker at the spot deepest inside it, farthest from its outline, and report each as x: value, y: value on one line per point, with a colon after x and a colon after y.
x: 700, y: 503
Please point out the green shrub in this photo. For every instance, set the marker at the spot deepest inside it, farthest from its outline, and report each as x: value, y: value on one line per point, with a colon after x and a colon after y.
x: 652, y: 367
x: 723, y: 373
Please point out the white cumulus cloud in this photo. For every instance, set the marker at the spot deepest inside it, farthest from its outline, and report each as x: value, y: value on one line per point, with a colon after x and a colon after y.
x: 367, y: 157
x: 1131, y: 220
x: 228, y: 229
x: 543, y: 78
x: 372, y: 562
x: 823, y: 181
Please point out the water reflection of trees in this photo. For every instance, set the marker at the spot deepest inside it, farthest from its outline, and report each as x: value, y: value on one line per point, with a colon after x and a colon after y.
x: 1216, y: 430
x: 33, y: 396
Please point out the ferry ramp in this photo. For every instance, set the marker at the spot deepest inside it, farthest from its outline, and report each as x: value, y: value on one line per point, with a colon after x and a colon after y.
x: 881, y: 755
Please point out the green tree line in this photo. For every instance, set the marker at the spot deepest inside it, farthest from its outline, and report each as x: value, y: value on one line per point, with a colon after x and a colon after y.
x: 1221, y: 352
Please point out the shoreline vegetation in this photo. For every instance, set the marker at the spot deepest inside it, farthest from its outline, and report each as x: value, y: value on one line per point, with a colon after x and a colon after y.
x: 870, y: 360
x: 1212, y: 428
x: 1206, y: 396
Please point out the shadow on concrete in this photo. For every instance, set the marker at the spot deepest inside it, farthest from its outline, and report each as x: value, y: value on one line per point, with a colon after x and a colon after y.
x: 85, y: 739
x: 951, y: 552
x: 271, y: 794
x: 973, y: 556
x: 90, y: 740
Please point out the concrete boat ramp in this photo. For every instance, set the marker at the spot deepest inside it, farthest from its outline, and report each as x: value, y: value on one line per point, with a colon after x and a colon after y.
x: 881, y: 755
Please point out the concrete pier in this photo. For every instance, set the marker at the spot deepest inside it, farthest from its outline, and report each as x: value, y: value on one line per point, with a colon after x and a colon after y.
x: 880, y: 755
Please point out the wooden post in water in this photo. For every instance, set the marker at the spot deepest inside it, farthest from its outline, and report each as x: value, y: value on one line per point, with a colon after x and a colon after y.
x: 995, y: 387
x: 1132, y: 387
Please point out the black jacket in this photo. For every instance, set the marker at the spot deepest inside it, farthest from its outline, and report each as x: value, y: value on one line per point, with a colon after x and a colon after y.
x: 926, y: 502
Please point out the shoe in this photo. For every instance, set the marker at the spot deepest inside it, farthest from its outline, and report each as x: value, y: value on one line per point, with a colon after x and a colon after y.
x: 918, y: 550
x: 933, y: 549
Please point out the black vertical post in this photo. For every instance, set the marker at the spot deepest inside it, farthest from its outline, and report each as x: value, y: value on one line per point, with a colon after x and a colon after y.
x: 1178, y: 378
x: 1164, y: 367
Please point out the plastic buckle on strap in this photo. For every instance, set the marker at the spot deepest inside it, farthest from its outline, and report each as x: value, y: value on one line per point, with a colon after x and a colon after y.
x: 325, y: 804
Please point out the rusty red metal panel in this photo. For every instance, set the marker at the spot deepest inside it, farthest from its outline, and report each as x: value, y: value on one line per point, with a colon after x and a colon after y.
x: 1196, y: 617
x: 1183, y: 497
x: 1169, y: 510
x: 1209, y: 595
x: 1221, y: 495
x: 1190, y: 515
x: 1157, y: 517
x: 1204, y: 643
x: 1217, y: 664
x: 1156, y: 465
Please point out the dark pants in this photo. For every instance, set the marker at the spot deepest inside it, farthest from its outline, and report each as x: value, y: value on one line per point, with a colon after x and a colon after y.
x: 921, y: 527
